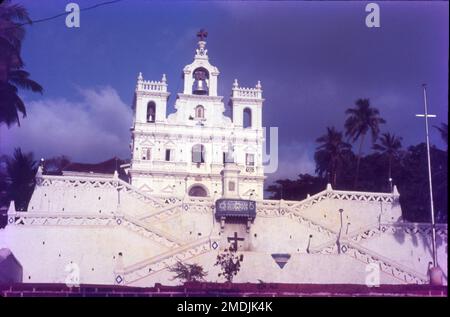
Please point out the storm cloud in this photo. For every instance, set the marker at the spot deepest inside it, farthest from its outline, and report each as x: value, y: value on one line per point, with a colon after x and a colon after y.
x: 97, y: 124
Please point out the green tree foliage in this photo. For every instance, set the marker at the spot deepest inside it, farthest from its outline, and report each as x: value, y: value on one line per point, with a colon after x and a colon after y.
x: 361, y: 119
x: 389, y: 147
x: 297, y: 189
x: 20, y: 179
x: 55, y: 165
x: 12, y: 75
x: 412, y: 182
x: 330, y: 154
x: 3, y: 184
x: 409, y: 172
x: 188, y: 272
x: 230, y: 263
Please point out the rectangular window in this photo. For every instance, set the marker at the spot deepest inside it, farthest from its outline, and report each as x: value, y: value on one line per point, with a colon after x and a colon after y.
x: 146, y: 153
x: 169, y: 155
x: 250, y: 159
x: 198, y: 154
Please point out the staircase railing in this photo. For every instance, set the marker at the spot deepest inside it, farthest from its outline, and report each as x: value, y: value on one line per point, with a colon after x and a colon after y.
x: 387, y: 265
x: 162, y: 261
x: 161, y: 233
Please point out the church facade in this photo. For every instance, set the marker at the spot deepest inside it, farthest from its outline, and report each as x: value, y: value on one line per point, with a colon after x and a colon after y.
x: 196, y: 189
x: 185, y: 152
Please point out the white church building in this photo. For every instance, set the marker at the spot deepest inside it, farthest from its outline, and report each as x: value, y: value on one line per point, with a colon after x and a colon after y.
x: 196, y: 187
x: 184, y: 152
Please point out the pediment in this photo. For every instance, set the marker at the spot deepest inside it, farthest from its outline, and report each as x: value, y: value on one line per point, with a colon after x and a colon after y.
x: 146, y: 142
x: 169, y: 143
x: 145, y: 188
x: 168, y: 189
x: 250, y: 149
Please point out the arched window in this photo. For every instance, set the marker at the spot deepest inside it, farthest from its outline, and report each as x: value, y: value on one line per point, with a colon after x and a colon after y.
x: 198, y: 153
x: 247, y: 118
x: 151, y: 111
x: 199, y: 112
x: 197, y: 191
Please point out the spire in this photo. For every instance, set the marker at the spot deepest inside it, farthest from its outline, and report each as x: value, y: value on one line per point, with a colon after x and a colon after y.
x: 395, y: 191
x: 164, y: 78
x: 202, y: 51
x: 12, y: 207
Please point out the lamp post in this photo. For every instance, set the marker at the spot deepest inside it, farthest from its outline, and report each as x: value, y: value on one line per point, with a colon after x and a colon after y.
x: 433, y: 224
x: 338, y: 241
x: 390, y: 185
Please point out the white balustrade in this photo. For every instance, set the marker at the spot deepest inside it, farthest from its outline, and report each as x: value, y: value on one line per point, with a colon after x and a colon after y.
x: 250, y: 93
x: 151, y: 86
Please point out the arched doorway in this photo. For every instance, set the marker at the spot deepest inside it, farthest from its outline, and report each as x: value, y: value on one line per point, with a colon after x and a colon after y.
x: 197, y: 191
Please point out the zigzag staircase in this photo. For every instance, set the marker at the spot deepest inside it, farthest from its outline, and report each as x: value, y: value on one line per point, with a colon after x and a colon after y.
x: 135, y: 272
x: 163, y: 208
x: 348, y: 245
x: 396, y: 270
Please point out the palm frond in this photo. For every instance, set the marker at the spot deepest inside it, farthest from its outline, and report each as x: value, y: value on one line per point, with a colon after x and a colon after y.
x: 20, y: 78
x: 15, y: 12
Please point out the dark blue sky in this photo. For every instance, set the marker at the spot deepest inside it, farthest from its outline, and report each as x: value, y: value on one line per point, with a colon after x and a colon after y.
x: 314, y: 60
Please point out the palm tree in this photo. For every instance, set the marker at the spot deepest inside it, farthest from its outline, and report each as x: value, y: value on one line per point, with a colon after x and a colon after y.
x: 20, y: 179
x: 330, y: 153
x: 362, y: 119
x: 12, y: 32
x: 12, y: 76
x: 389, y: 146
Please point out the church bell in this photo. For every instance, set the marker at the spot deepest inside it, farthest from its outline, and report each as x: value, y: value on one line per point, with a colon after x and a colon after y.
x: 200, y: 86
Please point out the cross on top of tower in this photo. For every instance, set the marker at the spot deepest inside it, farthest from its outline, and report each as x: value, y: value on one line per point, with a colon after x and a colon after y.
x: 202, y: 51
x: 202, y: 35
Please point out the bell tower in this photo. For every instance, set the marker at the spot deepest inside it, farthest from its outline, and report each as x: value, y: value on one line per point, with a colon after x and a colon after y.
x: 200, y: 77
x: 246, y: 106
x: 150, y: 104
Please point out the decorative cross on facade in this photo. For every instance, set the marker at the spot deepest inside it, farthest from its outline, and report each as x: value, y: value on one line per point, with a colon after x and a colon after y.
x: 235, y: 240
x: 202, y: 35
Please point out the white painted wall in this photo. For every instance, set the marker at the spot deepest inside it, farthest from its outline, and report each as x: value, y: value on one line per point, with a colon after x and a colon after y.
x: 45, y: 239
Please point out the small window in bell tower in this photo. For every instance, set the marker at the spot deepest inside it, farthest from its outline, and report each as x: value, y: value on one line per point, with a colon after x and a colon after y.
x: 151, y: 111
x: 247, y: 118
